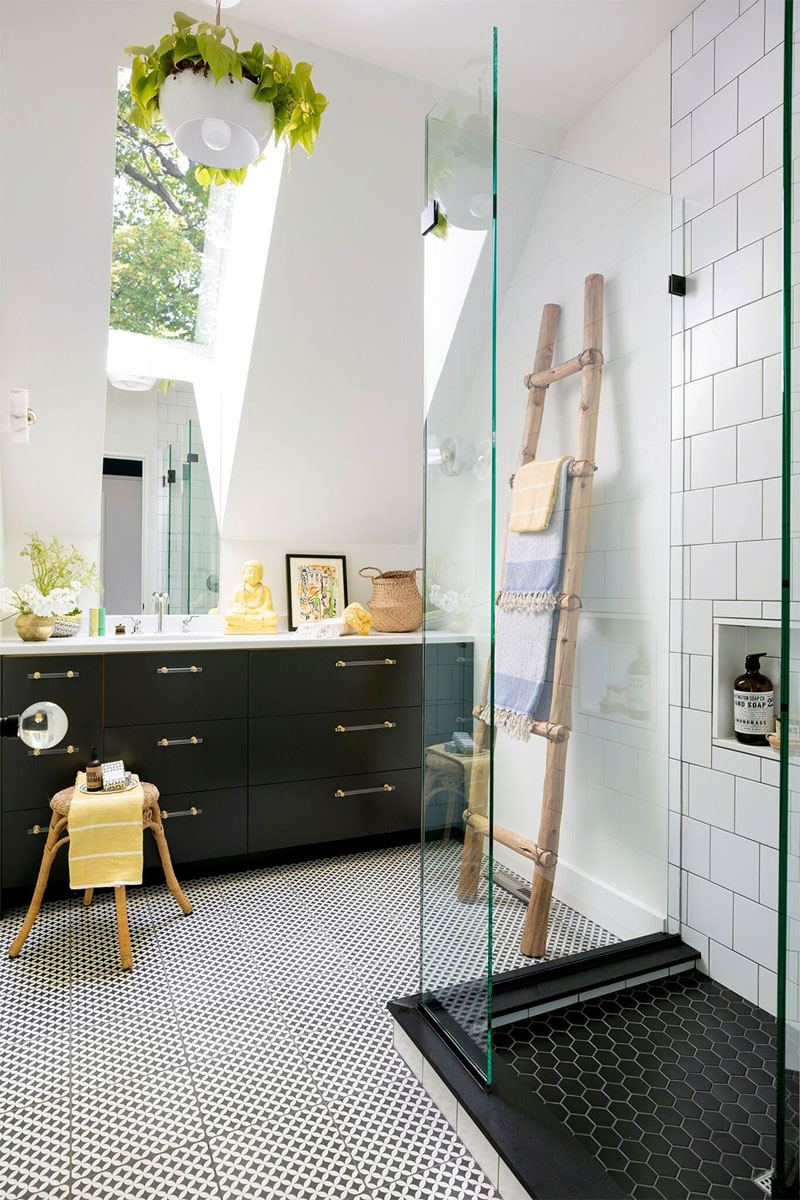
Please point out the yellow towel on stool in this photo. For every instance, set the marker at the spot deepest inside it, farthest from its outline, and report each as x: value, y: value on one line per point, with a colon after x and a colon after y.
x: 105, y: 837
x: 535, y: 487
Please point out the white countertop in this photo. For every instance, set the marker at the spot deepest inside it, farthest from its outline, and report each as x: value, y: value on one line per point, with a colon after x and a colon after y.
x: 212, y: 640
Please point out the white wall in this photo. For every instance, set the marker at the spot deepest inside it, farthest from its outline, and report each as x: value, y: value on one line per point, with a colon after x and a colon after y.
x: 726, y: 157
x: 626, y: 133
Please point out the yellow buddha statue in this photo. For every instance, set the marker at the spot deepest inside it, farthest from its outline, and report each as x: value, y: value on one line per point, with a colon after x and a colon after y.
x: 251, y: 608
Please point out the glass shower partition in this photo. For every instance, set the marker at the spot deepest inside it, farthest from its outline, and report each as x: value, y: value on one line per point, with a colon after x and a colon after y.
x: 550, y: 332
x: 460, y: 250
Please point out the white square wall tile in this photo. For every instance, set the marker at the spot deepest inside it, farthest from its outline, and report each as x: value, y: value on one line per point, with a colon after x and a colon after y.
x: 759, y: 449
x: 773, y: 385
x: 739, y: 162
x: 737, y: 512
x: 699, y: 302
x: 760, y: 328
x: 682, y: 48
x: 698, y: 406
x: 761, y: 88
x: 768, y: 991
x: 695, y: 631
x: 693, y: 82
x: 735, y: 862
x: 713, y: 458
x: 773, y: 263
x: 695, y: 184
x: 738, y: 46
x: 714, y: 344
x: 733, y: 971
x: 734, y: 762
x: 713, y: 571
x: 760, y: 209
x: 711, y: 797
x: 697, y: 516
x: 714, y: 233
x: 700, y: 681
x: 774, y: 24
x: 714, y: 121
x: 768, y: 877
x: 738, y: 278
x: 694, y: 847
x: 709, y: 909
x: 758, y: 570
x: 710, y: 19
x: 773, y: 137
x: 696, y: 737
x: 756, y: 811
x: 772, y: 514
x: 738, y: 395
x: 681, y: 146
x: 755, y: 931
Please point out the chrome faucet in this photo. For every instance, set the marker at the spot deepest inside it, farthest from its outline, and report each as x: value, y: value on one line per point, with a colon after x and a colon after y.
x: 136, y: 622
x: 162, y: 600
x: 187, y: 622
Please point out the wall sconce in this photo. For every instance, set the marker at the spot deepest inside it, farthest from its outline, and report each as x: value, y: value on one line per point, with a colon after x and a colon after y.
x: 16, y: 417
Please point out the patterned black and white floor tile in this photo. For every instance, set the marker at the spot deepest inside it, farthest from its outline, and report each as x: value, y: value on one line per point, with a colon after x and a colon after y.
x: 248, y: 1055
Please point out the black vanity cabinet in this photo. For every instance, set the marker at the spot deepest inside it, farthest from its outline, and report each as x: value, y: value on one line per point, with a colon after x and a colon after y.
x: 253, y: 751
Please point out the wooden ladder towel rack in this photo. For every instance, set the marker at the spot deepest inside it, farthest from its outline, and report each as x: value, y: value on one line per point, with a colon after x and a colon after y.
x: 544, y: 851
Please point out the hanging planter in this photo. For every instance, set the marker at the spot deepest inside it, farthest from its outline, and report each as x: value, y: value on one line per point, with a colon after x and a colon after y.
x: 219, y: 104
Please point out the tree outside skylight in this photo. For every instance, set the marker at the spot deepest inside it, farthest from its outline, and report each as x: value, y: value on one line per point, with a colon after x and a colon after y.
x: 159, y: 231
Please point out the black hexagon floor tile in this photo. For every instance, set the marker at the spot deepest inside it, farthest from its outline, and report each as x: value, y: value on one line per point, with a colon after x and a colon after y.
x: 677, y: 1085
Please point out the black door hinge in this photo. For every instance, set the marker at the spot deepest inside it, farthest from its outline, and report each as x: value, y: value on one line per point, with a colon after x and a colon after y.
x: 677, y: 285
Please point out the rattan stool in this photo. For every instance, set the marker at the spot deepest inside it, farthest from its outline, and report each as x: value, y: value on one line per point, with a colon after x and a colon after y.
x: 57, y: 837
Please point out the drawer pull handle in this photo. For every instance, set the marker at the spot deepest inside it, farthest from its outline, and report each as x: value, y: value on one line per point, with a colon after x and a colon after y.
x: 358, y: 728
x: 184, y: 812
x: 37, y: 829
x: 461, y: 659
x: 54, y: 675
x: 190, y: 741
x: 54, y: 750
x: 366, y: 662
x: 384, y: 787
x: 179, y: 670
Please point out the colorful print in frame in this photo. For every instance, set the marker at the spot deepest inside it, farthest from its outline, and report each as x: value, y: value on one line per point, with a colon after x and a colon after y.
x: 316, y: 585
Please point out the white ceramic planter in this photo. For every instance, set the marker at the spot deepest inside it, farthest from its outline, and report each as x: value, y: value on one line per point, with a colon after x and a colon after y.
x: 216, y: 124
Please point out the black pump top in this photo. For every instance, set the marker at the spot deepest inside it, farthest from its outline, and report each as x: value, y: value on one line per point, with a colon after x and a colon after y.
x: 752, y: 662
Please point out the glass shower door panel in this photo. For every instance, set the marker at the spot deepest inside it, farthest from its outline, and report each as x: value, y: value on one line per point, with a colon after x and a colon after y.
x: 785, y: 1181
x: 456, y: 899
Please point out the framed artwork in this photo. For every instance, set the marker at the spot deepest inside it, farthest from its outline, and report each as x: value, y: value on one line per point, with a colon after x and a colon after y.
x: 316, y: 585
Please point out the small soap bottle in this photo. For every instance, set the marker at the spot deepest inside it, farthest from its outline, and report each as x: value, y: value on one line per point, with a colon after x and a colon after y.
x: 753, y: 704
x: 639, y: 684
x: 94, y: 773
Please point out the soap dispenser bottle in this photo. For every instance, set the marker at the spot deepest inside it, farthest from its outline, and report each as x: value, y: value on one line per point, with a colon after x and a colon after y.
x: 94, y: 773
x: 753, y: 703
x: 639, y: 686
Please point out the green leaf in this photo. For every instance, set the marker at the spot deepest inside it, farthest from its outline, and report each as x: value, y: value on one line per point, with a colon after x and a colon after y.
x: 220, y: 59
x: 303, y: 71
x: 138, y: 50
x: 203, y: 176
x: 184, y: 21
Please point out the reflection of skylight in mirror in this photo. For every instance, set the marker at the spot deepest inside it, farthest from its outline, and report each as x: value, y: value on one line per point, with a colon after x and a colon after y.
x: 187, y: 273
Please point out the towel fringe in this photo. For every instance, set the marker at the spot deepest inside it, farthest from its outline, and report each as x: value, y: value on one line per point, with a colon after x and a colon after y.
x: 516, y: 725
x: 527, y: 601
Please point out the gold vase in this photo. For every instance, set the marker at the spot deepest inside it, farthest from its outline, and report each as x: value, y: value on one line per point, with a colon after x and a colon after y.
x: 33, y: 629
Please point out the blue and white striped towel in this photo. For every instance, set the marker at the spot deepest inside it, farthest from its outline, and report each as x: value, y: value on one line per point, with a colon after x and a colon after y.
x: 526, y: 621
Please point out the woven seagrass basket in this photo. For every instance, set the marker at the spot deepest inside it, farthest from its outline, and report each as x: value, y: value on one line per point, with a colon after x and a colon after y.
x: 396, y: 603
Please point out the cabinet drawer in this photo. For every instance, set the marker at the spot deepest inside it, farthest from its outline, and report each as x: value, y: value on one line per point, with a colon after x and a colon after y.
x: 22, y: 849
x: 218, y: 829
x: 200, y: 755
x: 74, y: 681
x: 302, y: 814
x: 30, y: 778
x: 147, y: 688
x: 352, y: 675
x: 346, y: 743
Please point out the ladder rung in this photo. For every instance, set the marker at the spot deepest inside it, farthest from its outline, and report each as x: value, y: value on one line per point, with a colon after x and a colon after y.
x: 528, y: 849
x: 542, y: 379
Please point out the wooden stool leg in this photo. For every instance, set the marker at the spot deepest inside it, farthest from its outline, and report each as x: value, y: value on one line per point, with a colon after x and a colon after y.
x: 471, y: 859
x: 87, y: 896
x: 123, y: 932
x: 166, y: 863
x: 56, y: 825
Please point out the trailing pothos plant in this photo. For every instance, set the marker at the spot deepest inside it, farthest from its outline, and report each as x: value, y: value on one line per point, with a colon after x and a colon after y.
x: 200, y: 46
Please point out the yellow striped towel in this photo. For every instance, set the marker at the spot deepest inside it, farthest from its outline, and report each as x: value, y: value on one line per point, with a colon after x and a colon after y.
x: 105, y: 837
x: 535, y: 487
